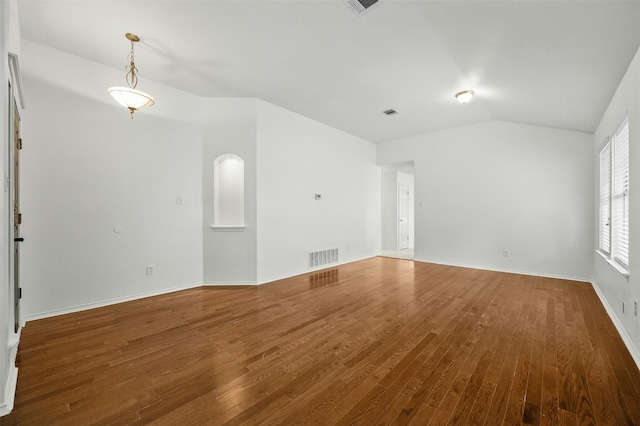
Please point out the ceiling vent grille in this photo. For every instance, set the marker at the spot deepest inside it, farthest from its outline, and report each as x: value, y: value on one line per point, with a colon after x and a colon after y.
x: 390, y: 112
x: 360, y: 6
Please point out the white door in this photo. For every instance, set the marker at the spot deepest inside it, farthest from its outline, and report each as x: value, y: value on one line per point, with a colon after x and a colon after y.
x: 403, y: 217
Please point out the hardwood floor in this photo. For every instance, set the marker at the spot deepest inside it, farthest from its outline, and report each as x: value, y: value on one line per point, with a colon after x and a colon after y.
x: 381, y: 341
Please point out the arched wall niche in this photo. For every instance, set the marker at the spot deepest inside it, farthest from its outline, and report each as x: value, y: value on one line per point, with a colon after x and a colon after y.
x: 228, y: 192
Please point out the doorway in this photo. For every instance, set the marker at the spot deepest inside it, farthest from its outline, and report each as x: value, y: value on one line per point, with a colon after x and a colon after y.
x: 398, y: 210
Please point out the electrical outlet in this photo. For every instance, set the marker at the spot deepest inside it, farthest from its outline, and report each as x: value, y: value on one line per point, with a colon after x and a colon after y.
x: 151, y: 269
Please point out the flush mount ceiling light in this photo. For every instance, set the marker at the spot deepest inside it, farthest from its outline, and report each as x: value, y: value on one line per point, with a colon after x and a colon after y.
x: 464, y: 96
x: 130, y: 97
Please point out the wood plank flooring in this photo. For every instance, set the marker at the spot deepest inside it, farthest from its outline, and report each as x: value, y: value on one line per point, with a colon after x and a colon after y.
x: 381, y: 341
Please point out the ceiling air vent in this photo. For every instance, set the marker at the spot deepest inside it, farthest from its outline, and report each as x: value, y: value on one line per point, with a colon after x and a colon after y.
x: 390, y: 112
x: 360, y: 6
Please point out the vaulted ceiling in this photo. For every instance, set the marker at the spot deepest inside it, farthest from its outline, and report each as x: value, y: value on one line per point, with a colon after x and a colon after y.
x: 547, y: 63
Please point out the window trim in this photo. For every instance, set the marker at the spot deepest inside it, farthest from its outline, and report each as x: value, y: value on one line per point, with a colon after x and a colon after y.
x: 615, y: 265
x: 613, y: 239
x: 605, y: 145
x: 620, y: 195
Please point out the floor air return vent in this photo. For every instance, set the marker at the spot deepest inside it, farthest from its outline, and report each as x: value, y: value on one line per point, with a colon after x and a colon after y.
x: 323, y: 257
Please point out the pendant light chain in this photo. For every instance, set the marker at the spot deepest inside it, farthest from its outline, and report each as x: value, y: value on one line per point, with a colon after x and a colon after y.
x: 131, y: 77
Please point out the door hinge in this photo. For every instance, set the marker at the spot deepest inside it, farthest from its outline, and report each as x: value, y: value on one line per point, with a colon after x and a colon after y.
x: 19, y: 143
x: 19, y: 292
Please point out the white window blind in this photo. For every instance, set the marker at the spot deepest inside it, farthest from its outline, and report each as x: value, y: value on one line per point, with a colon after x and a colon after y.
x: 620, y: 195
x: 605, y: 198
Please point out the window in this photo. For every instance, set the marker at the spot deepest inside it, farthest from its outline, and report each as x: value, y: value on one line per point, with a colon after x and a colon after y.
x: 614, y: 197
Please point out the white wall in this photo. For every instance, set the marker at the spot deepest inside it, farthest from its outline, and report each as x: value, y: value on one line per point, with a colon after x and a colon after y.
x: 611, y: 285
x: 298, y: 158
x: 497, y: 185
x: 89, y: 170
x: 288, y: 159
x: 230, y: 257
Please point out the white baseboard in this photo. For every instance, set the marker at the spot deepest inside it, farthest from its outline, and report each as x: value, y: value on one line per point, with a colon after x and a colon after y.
x: 228, y: 283
x: 510, y: 271
x: 310, y: 271
x: 283, y: 276
x: 12, y: 378
x: 628, y: 341
x: 10, y: 391
x: 107, y: 302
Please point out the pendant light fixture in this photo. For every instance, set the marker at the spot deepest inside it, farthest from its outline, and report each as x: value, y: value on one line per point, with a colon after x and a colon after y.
x: 130, y: 97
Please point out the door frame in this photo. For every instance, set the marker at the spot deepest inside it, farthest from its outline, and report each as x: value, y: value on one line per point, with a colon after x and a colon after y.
x: 392, y: 175
x: 15, y: 146
x: 15, y: 103
x: 399, y: 192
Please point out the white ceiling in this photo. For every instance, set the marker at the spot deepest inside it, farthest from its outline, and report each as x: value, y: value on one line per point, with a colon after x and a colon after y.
x: 547, y: 63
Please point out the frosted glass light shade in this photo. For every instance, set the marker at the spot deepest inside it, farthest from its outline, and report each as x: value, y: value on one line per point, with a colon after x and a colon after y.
x: 464, y: 96
x: 131, y: 98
